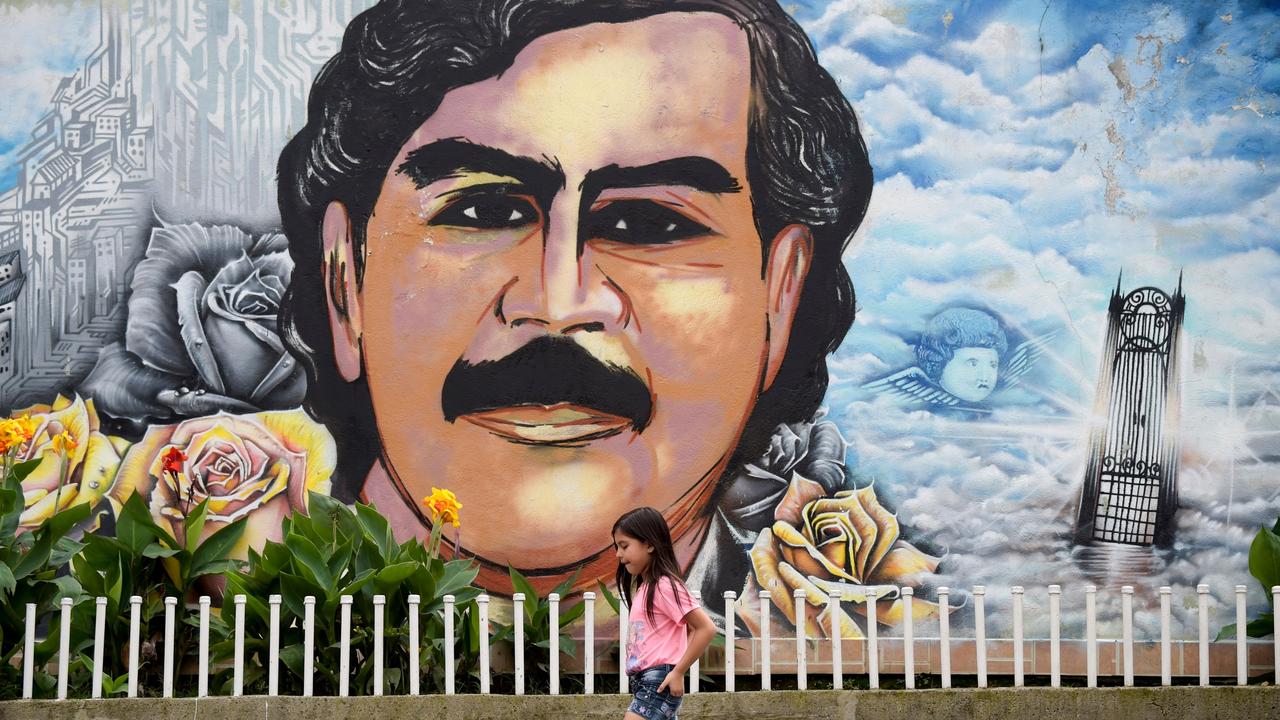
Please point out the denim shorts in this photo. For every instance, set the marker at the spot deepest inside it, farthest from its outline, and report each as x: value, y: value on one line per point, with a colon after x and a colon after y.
x: 647, y: 702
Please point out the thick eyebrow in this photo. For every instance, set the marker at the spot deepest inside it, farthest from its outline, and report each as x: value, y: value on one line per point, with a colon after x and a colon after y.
x: 451, y: 157
x: 699, y: 173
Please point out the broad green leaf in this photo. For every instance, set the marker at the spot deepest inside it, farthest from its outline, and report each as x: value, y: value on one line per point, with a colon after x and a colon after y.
x: 572, y: 613
x: 392, y: 575
x: 20, y: 471
x: 7, y: 582
x: 156, y: 550
x: 193, y: 525
x: 377, y: 529
x: 520, y: 584
x: 216, y: 547
x: 309, y: 560
x: 364, y: 578
x: 1264, y: 559
x: 36, y: 557
x: 101, y: 551
x: 235, y: 586
x: 609, y: 597
x: 60, y: 522
x: 294, y: 588
x: 134, y: 527
x: 63, y: 550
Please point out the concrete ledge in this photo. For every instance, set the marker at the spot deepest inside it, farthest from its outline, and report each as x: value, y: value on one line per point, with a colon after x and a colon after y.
x: 1212, y: 703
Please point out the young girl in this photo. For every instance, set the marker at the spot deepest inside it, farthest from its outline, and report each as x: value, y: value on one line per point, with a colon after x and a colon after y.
x: 667, y: 630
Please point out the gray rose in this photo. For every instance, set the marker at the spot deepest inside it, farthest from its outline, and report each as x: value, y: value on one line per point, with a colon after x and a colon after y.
x: 202, y: 333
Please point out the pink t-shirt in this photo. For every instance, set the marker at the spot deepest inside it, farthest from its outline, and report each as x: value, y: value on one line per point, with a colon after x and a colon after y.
x: 664, y: 640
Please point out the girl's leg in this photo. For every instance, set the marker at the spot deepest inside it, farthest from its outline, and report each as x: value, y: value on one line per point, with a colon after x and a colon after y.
x: 631, y: 716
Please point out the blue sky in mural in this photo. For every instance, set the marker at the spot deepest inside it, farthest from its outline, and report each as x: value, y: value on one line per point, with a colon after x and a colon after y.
x: 39, y: 45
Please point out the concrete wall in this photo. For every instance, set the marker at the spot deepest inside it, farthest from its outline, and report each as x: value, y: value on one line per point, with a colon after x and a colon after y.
x: 1216, y: 703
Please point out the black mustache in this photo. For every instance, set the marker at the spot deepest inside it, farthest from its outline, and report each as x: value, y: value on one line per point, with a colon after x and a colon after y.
x: 548, y: 370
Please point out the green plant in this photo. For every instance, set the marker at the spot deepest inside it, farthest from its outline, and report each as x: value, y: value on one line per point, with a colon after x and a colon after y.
x: 1264, y: 564
x: 336, y: 551
x: 29, y: 573
x: 537, y: 626
x: 146, y: 560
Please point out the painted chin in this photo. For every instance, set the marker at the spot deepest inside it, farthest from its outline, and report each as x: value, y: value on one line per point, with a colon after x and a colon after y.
x: 560, y: 425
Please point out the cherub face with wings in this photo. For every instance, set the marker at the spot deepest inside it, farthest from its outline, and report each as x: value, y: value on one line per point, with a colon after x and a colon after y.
x: 961, y: 360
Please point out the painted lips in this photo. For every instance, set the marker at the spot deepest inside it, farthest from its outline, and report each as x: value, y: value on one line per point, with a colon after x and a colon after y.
x: 555, y: 425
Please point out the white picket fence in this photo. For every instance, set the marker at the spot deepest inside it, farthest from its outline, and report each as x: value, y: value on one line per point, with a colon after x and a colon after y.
x: 871, y: 644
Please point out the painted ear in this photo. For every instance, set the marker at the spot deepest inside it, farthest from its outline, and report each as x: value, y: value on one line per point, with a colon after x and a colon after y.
x: 341, y: 292
x: 789, y: 258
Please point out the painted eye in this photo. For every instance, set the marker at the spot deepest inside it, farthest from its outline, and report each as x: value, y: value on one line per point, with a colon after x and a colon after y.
x: 487, y: 212
x: 641, y: 222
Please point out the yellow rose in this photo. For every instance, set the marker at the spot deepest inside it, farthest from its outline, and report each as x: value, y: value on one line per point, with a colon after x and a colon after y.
x: 260, y: 466
x: 846, y: 544
x: 68, y: 429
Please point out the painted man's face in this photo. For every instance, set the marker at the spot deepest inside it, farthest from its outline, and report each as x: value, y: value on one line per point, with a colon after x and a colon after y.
x: 566, y: 310
x: 971, y: 374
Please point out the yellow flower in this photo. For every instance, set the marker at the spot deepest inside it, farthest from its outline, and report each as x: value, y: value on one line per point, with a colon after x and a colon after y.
x: 63, y: 443
x: 78, y: 462
x: 444, y: 506
x: 260, y: 466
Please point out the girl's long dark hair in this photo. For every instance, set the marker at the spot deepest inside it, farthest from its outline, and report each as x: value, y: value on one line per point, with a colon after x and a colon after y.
x: 648, y: 526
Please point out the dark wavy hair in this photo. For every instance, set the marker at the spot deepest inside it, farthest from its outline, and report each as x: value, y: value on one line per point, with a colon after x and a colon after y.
x: 806, y: 164
x: 648, y: 526
x: 956, y: 328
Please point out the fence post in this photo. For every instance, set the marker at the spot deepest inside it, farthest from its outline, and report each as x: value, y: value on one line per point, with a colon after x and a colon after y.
x: 170, y: 639
x: 624, y: 619
x: 29, y: 652
x: 980, y: 632
x: 203, y: 680
x: 944, y: 633
x: 766, y: 677
x: 344, y: 647
x: 1275, y: 633
x: 273, y: 646
x: 483, y: 603
x: 517, y: 601
x: 1126, y: 632
x: 1055, y: 636
x: 1018, y: 678
x: 554, y: 620
x: 695, y: 669
x: 64, y: 647
x: 730, y: 632
x: 802, y: 669
x: 873, y: 643
x: 837, y: 659
x: 589, y: 644
x: 1091, y: 633
x: 237, y: 682
x: 308, y: 643
x: 448, y: 645
x: 1202, y: 591
x: 1166, y: 651
x: 379, y: 607
x: 908, y: 639
x: 414, y: 645
x: 99, y: 637
x: 1242, y: 656
x: 135, y: 622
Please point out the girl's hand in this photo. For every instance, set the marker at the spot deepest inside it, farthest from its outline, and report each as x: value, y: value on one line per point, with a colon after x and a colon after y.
x: 674, y: 683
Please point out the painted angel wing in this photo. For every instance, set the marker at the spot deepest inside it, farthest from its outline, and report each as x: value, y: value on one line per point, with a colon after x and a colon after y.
x: 1024, y: 357
x: 913, y: 384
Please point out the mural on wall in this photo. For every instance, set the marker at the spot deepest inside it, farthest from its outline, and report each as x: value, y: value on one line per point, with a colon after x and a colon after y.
x: 566, y: 259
